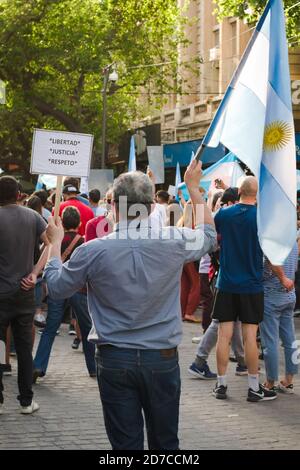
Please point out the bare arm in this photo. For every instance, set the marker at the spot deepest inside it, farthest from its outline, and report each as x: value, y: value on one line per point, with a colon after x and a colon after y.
x: 182, y: 200
x: 202, y: 214
x: 29, y: 281
x: 287, y: 283
x: 63, y: 280
x: 38, y: 268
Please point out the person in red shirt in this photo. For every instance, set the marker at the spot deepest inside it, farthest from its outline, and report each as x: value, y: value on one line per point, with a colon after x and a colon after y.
x: 98, y: 228
x: 70, y: 193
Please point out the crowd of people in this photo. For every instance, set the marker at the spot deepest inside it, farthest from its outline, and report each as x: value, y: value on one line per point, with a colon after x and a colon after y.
x: 124, y: 272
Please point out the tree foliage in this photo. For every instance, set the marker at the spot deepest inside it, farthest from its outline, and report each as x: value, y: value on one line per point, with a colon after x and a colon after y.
x: 252, y: 9
x: 52, y: 56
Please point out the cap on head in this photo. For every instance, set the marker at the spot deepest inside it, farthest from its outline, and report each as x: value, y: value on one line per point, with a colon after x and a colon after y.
x: 70, y: 189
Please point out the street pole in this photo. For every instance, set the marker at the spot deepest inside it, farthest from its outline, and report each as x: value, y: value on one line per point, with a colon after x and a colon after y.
x: 104, y: 112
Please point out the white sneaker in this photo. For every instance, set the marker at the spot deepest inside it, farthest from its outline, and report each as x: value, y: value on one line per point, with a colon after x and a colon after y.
x: 196, y: 339
x: 285, y: 388
x: 28, y: 410
x: 39, y: 317
x: 39, y: 320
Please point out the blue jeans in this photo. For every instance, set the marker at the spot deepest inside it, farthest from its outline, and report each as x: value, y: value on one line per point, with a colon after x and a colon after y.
x: 79, y: 305
x: 132, y: 380
x: 54, y: 318
x: 278, y: 323
x: 38, y: 292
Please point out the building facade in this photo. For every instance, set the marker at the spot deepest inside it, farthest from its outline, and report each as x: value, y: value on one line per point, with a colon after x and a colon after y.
x: 186, y: 116
x: 220, y: 47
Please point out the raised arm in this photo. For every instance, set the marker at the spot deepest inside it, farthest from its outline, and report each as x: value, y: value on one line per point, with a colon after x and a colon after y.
x: 202, y: 214
x: 63, y: 280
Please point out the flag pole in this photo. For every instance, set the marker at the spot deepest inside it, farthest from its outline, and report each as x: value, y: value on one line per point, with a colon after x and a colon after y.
x: 57, y: 196
x: 200, y: 152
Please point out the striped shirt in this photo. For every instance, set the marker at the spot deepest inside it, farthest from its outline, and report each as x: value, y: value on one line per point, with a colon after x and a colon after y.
x: 272, y: 285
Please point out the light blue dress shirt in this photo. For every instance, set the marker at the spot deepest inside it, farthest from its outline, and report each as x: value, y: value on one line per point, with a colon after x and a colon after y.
x: 133, y: 279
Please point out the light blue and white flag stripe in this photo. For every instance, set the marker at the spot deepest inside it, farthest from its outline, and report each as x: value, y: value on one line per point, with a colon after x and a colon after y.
x: 132, y: 158
x: 177, y: 178
x: 49, y: 181
x: 227, y: 169
x: 255, y: 122
x: 39, y: 183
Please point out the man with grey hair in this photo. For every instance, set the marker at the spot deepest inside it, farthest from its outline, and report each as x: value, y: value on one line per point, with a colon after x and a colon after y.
x: 133, y: 281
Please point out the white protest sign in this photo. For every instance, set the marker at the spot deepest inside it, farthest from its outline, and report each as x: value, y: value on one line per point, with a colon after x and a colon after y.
x: 156, y: 163
x: 61, y: 153
x: 172, y: 190
x: 84, y: 185
x: 101, y: 179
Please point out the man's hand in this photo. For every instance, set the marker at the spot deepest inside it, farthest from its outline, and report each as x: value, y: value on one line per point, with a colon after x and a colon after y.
x: 28, y: 282
x: 219, y: 184
x: 150, y: 174
x: 287, y: 283
x: 193, y: 175
x: 55, y: 231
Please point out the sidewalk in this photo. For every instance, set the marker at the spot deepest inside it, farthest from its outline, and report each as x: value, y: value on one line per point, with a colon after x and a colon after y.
x: 71, y: 417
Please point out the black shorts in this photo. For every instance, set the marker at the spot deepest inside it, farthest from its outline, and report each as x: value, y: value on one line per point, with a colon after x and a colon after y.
x: 248, y: 308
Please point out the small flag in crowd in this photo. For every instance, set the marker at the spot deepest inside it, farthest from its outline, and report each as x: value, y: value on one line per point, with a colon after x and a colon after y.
x: 227, y: 169
x: 132, y: 158
x: 255, y: 122
x: 48, y: 181
x: 177, y: 178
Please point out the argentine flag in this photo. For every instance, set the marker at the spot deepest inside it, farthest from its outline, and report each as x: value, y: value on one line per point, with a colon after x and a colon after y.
x: 255, y: 122
x: 177, y: 179
x: 50, y: 181
x: 132, y: 158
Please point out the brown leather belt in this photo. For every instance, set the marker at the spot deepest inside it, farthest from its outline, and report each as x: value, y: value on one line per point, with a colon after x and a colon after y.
x: 164, y: 352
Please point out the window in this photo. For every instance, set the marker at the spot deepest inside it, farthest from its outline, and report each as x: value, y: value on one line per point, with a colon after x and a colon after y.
x: 217, y: 37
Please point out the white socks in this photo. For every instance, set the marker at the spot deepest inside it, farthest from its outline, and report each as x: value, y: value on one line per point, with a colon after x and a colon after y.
x: 253, y: 382
x: 252, y: 379
x: 222, y: 380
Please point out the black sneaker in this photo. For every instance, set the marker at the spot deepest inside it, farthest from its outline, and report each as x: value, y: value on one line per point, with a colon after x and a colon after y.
x: 203, y: 372
x: 76, y: 343
x: 241, y: 370
x: 220, y: 392
x: 232, y: 359
x: 37, y: 373
x: 6, y: 369
x: 263, y: 394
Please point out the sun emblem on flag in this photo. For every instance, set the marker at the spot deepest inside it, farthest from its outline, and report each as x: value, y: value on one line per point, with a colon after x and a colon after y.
x: 277, y: 135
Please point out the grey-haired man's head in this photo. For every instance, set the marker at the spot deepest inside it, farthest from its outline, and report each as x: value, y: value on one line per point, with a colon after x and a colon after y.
x: 133, y: 195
